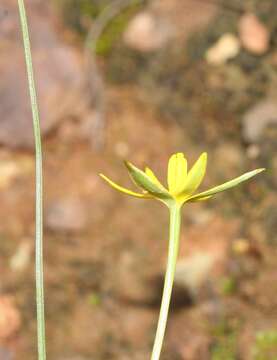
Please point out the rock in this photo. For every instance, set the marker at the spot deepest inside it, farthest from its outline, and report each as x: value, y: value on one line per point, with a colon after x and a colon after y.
x: 10, y: 319
x: 66, y: 215
x: 253, y: 151
x: 185, y: 17
x: 192, y: 272
x: 253, y: 34
x: 226, y: 48
x: 257, y: 118
x: 21, y: 258
x: 121, y: 149
x: 9, y: 170
x: 59, y: 79
x: 145, y: 33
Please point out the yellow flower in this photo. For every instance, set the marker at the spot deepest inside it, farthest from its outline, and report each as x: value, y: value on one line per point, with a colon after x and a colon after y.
x: 182, y: 183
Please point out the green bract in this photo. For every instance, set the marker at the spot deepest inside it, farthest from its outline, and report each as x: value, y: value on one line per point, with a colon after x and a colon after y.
x: 182, y: 184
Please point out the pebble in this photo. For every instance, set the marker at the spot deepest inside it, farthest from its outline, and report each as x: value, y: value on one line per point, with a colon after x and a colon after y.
x: 254, y: 35
x: 227, y: 47
x: 192, y: 272
x: 66, y: 215
x: 146, y: 33
x: 10, y: 319
x: 21, y: 258
x: 9, y: 170
x: 257, y: 118
x: 253, y: 151
x: 121, y: 149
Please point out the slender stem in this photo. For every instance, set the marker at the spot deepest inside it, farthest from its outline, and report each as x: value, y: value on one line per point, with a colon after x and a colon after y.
x: 39, y: 188
x: 174, y: 235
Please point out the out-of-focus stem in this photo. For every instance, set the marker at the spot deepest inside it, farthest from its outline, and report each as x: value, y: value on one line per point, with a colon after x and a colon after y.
x: 39, y: 188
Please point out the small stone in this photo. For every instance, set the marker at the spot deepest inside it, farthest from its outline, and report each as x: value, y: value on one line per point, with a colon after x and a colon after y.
x: 20, y: 260
x: 257, y: 118
x: 8, y: 172
x: 60, y: 80
x: 253, y: 34
x: 121, y: 149
x: 10, y: 319
x: 66, y: 215
x: 145, y: 33
x: 192, y: 272
x: 253, y: 151
x: 226, y: 48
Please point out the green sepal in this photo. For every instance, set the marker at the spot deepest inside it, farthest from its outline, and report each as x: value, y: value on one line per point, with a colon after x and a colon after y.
x: 144, y: 181
x: 228, y: 185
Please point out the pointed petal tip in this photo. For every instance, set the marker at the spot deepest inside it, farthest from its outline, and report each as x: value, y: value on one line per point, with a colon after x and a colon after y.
x: 123, y: 189
x: 102, y: 176
x: 128, y: 165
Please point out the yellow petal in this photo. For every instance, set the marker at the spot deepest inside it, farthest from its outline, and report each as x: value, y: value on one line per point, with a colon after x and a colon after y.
x: 228, y: 185
x: 176, y: 173
x: 195, y: 176
x: 153, y: 177
x: 124, y: 190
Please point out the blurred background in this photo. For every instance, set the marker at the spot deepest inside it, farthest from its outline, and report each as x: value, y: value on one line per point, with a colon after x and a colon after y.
x: 140, y: 80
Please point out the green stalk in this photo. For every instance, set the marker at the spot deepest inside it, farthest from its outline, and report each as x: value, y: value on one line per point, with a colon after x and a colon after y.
x: 174, y: 236
x: 39, y: 188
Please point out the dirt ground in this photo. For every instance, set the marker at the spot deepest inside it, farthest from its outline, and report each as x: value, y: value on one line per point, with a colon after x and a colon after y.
x: 105, y: 253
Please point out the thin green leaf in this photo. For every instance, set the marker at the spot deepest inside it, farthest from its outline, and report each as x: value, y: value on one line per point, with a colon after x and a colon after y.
x: 228, y: 185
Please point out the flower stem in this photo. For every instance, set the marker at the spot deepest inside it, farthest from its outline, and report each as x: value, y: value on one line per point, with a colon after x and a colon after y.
x: 39, y: 188
x: 174, y: 235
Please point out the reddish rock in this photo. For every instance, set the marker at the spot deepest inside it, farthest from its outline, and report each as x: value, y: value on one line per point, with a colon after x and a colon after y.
x: 58, y: 73
x: 146, y: 33
x: 66, y: 215
x: 10, y: 318
x: 253, y: 34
